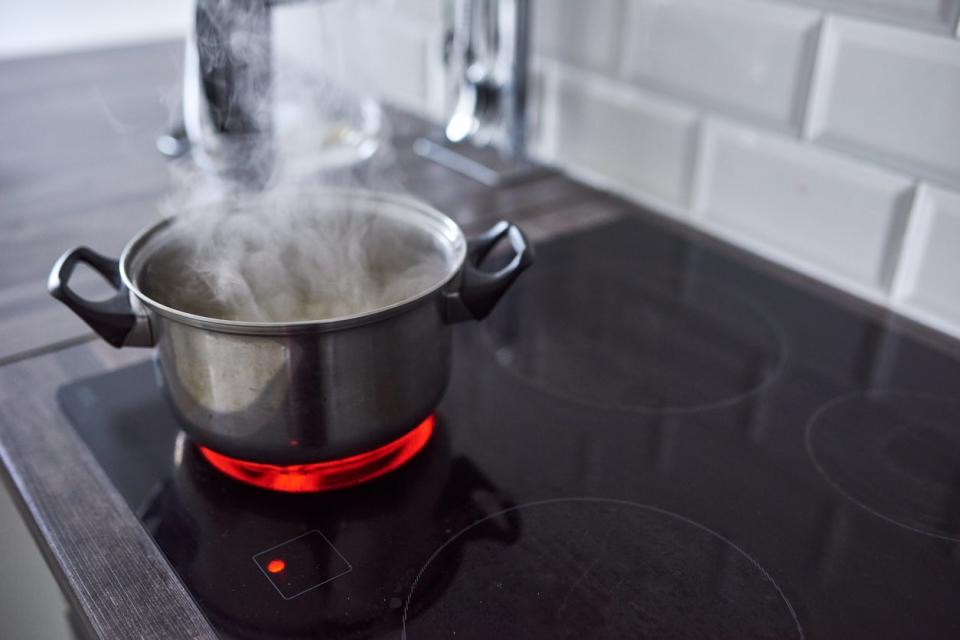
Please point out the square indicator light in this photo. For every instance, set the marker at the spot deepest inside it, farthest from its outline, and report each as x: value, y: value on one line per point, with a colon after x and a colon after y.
x: 301, y: 564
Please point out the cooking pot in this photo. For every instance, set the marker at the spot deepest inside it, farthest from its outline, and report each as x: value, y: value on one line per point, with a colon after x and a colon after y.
x: 304, y: 391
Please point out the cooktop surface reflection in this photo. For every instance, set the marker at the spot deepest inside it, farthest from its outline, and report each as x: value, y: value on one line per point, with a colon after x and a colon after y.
x: 647, y: 439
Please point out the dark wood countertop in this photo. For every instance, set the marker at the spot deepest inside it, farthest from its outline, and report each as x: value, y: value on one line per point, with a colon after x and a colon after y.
x: 77, y: 166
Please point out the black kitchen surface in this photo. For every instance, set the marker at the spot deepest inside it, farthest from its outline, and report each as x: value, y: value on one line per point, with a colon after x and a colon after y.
x: 648, y: 438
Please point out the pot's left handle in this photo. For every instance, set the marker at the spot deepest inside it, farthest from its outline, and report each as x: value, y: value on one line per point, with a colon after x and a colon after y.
x: 480, y: 290
x: 113, y: 319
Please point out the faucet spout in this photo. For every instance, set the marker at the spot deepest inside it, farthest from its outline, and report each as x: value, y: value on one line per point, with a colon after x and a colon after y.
x: 227, y: 87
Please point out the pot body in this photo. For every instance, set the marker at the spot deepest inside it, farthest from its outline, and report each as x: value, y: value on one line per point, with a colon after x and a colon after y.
x: 304, y: 391
x: 307, y: 396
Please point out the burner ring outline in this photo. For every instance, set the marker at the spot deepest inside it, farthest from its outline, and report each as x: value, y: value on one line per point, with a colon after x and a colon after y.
x: 596, y: 500
x: 808, y: 442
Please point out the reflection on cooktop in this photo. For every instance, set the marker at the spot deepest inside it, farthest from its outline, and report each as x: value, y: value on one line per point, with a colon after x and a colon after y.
x: 374, y: 535
x: 611, y: 336
x: 598, y: 568
x: 896, y: 454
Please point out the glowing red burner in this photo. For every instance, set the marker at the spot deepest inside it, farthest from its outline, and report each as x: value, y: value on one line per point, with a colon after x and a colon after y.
x: 331, y: 474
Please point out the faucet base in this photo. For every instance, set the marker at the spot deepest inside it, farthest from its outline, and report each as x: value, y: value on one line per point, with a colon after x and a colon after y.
x: 486, y: 165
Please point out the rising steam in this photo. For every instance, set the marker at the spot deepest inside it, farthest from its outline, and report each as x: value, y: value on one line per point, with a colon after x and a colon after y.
x: 278, y: 245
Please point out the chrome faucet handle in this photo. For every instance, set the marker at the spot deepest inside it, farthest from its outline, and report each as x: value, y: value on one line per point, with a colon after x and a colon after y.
x: 485, y: 55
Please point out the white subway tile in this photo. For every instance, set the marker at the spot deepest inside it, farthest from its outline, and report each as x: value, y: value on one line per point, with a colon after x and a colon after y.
x: 890, y: 95
x: 295, y: 28
x: 585, y: 34
x: 361, y: 47
x: 434, y: 76
x: 430, y: 11
x: 933, y: 15
x: 538, y: 99
x: 812, y: 209
x: 928, y: 280
x: 743, y: 57
x: 640, y: 144
x: 391, y: 54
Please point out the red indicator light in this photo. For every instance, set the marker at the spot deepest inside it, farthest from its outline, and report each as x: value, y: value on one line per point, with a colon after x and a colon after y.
x: 276, y: 565
x: 332, y: 474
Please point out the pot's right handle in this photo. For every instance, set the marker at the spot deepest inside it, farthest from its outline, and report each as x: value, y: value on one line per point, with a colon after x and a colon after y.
x: 481, y: 290
x: 113, y: 319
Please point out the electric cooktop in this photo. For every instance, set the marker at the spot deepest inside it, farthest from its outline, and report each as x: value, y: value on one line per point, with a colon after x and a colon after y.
x: 649, y: 438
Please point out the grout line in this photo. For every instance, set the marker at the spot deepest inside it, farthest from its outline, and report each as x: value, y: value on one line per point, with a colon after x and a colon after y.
x: 627, y: 47
x: 905, y: 268
x: 696, y: 202
x: 897, y: 244
x: 817, y: 80
x: 49, y: 348
x: 810, y: 90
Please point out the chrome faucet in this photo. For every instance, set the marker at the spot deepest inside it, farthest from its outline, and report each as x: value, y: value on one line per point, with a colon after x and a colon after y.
x: 485, y: 55
x: 228, y: 116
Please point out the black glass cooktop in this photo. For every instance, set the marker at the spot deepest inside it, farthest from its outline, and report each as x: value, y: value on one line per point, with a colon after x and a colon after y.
x: 647, y: 439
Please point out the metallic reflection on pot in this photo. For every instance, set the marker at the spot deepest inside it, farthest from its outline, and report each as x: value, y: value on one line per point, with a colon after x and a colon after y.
x: 304, y: 391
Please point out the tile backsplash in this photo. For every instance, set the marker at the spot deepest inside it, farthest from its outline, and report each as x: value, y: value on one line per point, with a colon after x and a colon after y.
x: 743, y: 58
x: 824, y: 134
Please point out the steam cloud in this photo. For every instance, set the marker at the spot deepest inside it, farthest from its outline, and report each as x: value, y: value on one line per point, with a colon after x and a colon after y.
x: 274, y: 243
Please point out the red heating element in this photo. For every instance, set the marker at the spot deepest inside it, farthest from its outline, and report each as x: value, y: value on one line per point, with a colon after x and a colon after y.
x: 330, y: 474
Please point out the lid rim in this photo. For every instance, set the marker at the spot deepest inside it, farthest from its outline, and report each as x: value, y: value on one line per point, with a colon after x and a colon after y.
x: 243, y: 327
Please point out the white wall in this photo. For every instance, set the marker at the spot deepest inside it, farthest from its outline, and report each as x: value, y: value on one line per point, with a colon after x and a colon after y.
x: 38, y: 27
x: 824, y: 134
x: 31, y: 604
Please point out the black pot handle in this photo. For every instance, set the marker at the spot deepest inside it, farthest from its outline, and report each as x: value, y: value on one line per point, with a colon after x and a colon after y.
x: 113, y: 319
x: 480, y: 290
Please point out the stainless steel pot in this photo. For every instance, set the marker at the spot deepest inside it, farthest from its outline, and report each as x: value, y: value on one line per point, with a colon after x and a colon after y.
x: 306, y: 391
